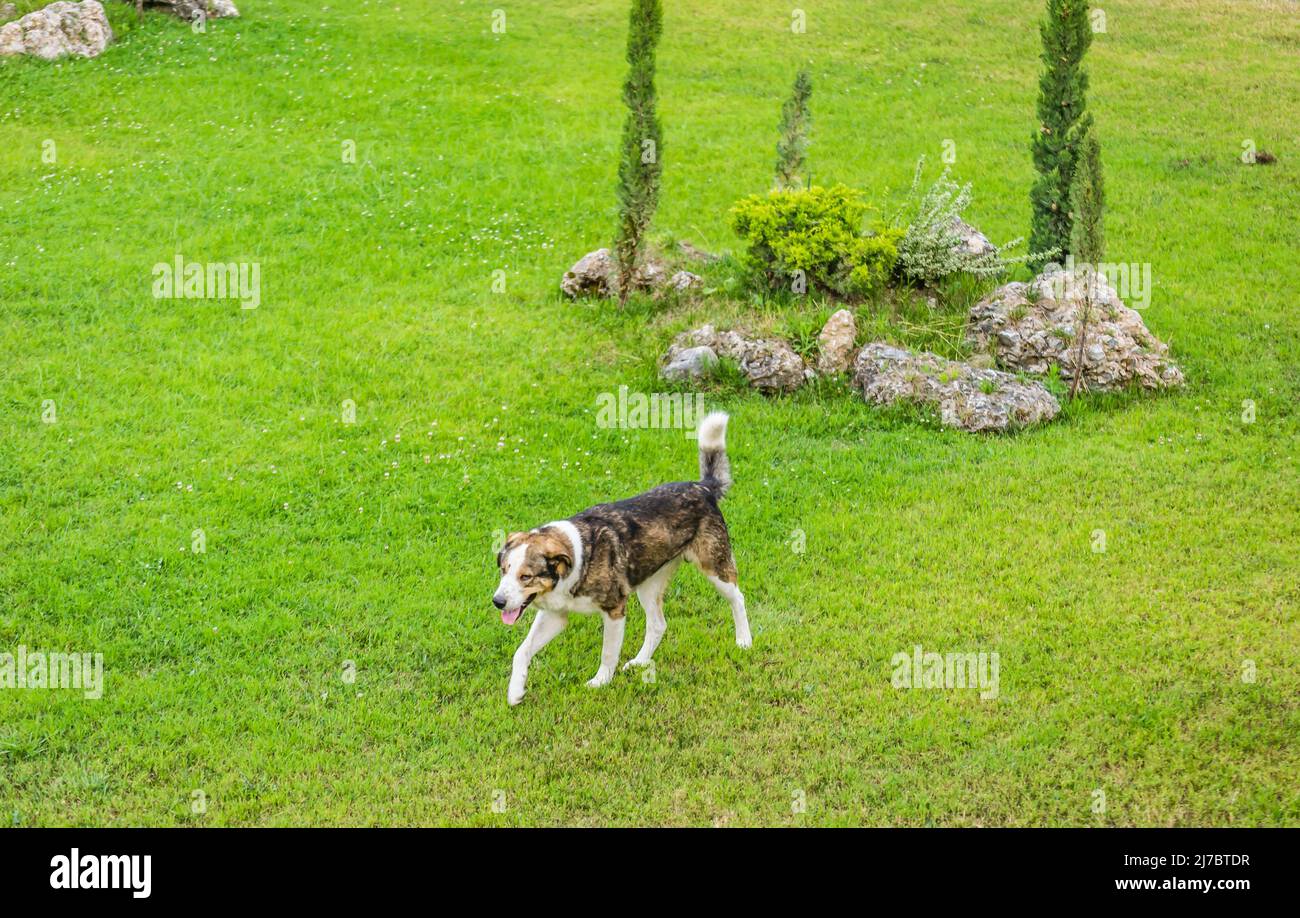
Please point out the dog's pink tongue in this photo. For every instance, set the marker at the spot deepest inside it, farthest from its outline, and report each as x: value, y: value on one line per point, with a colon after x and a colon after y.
x: 510, y: 616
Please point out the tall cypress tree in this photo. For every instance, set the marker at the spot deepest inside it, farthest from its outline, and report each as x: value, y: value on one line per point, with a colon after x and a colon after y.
x: 639, y: 166
x: 792, y: 146
x: 1062, y: 122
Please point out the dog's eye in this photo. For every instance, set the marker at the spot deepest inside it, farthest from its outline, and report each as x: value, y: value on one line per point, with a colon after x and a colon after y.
x: 524, y: 578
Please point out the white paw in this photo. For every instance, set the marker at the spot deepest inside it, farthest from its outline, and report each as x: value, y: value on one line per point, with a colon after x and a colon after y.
x: 602, y: 677
x: 514, y: 697
x: 744, y: 641
x: 636, y: 661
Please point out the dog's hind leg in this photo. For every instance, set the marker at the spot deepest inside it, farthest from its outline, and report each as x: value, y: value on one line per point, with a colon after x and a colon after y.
x: 545, y: 626
x: 611, y: 646
x: 651, y: 594
x: 711, y: 551
x: 726, y: 585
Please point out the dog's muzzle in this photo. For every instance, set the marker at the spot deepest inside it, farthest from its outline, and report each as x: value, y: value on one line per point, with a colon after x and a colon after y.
x: 510, y: 616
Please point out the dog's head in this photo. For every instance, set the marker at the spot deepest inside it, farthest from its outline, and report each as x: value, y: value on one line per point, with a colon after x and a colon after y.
x: 531, y: 564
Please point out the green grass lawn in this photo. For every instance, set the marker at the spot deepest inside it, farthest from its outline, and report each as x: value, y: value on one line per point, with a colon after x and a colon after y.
x: 332, y: 545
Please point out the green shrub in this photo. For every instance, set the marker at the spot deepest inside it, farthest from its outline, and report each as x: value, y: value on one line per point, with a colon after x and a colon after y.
x: 874, y: 257
x: 813, y: 239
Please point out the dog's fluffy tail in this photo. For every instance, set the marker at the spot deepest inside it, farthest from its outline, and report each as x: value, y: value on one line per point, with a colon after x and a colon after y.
x: 715, y: 470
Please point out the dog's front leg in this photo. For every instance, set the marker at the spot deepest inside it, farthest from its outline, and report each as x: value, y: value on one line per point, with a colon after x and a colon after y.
x: 611, y: 646
x: 545, y: 626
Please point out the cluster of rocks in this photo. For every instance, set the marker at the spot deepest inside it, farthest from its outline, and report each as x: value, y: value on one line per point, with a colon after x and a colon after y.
x: 1017, y: 331
x: 1029, y: 327
x: 769, y: 364
x: 968, y: 397
x: 80, y: 27
x: 596, y: 274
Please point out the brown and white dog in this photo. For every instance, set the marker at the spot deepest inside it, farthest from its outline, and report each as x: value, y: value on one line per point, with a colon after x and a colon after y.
x: 594, y: 561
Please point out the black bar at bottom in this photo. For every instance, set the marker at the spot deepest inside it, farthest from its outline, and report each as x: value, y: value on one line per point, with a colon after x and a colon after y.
x: 334, y: 867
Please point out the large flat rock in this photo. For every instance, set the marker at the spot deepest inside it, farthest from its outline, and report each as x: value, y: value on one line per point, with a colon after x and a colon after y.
x: 966, y: 397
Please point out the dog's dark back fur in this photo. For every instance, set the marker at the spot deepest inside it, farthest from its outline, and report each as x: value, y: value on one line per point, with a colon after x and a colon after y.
x: 631, y: 539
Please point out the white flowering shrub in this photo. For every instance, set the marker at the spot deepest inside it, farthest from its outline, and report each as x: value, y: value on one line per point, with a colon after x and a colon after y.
x: 932, y: 246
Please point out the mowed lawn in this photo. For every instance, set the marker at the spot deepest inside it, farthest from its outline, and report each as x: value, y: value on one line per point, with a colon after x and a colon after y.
x: 333, y: 658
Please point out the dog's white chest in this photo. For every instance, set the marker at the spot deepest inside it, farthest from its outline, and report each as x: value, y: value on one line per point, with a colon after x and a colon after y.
x: 557, y: 601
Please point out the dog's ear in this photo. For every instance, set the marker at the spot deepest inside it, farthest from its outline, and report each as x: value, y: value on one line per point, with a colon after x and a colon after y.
x: 509, y: 544
x: 560, y: 564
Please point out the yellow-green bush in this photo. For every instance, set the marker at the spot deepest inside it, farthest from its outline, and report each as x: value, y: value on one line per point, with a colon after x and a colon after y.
x: 817, y: 234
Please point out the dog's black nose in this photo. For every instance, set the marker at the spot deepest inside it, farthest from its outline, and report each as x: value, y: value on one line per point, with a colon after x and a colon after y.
x: 498, y: 602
